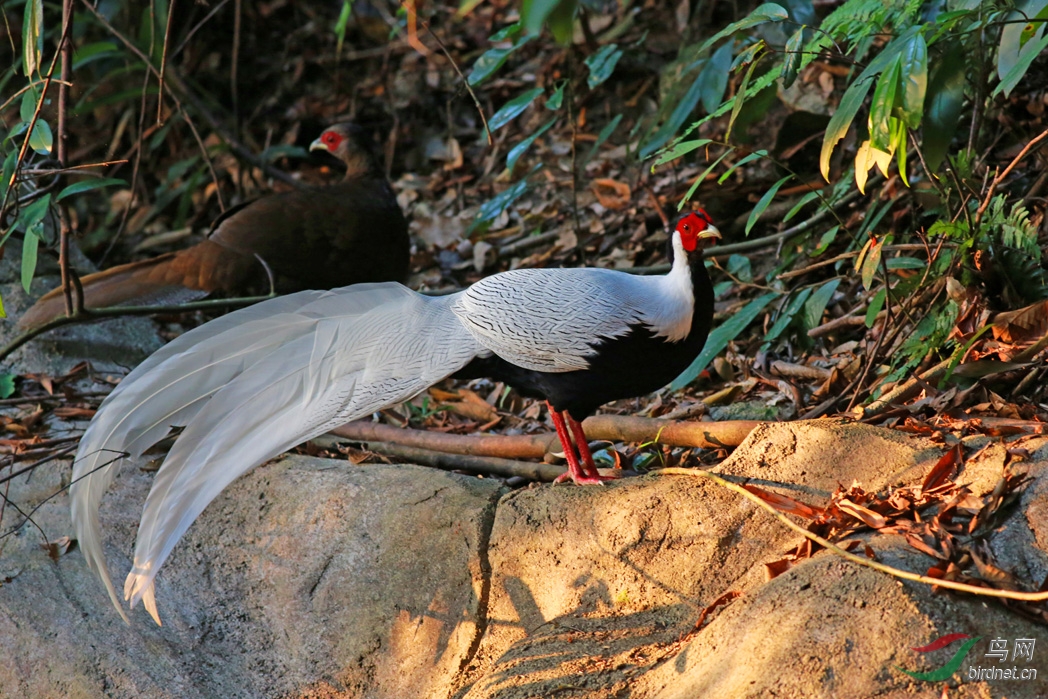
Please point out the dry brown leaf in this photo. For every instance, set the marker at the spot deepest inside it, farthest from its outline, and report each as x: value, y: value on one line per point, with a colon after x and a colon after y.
x: 943, y: 468
x: 866, y: 516
x: 1024, y: 325
x: 611, y: 194
x: 786, y: 504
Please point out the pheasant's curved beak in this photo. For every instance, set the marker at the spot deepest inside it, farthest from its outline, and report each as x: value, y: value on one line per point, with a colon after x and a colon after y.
x: 318, y: 145
x: 710, y: 232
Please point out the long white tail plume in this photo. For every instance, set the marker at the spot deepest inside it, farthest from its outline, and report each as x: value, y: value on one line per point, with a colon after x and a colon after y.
x: 244, y: 390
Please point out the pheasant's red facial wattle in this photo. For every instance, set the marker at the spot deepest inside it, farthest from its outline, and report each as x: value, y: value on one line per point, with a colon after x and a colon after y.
x: 331, y: 139
x: 690, y: 227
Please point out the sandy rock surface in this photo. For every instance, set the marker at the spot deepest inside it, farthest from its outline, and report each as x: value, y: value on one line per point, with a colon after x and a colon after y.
x: 317, y: 578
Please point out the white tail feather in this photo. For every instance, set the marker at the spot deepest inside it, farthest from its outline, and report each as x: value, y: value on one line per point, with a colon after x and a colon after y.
x: 247, y: 387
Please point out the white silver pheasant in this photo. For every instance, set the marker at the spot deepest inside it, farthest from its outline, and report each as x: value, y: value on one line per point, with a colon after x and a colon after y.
x: 261, y: 380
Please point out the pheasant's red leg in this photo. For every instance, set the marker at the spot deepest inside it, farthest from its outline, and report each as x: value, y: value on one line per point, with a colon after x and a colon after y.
x: 575, y: 471
x: 584, y: 450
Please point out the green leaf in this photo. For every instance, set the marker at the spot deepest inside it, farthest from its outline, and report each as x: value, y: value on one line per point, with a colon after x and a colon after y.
x: 699, y: 180
x: 603, y: 136
x: 33, y: 213
x: 27, y: 108
x: 755, y: 155
x: 7, y: 381
x: 854, y: 97
x: 841, y: 121
x: 768, y: 12
x: 913, y: 63
x: 709, y: 86
x: 601, y: 64
x: 884, y: 97
x: 740, y: 267
x: 506, y: 32
x: 905, y: 263
x: 519, y: 149
x: 3, y: 313
x: 875, y: 307
x: 340, y: 25
x: 512, y: 109
x: 816, y: 305
x: 682, y: 148
x: 792, y: 59
x: 30, y: 245
x: 804, y: 201
x: 740, y: 99
x: 83, y: 55
x: 1015, y: 38
x: 41, y: 139
x: 825, y: 241
x: 32, y: 36
x: 557, y: 98
x: 787, y: 315
x: 8, y: 171
x: 491, y: 60
x: 721, y: 336
x: 88, y: 185
x: 944, y: 102
x: 1031, y: 51
x: 763, y: 203
x: 561, y: 21
x: 491, y: 208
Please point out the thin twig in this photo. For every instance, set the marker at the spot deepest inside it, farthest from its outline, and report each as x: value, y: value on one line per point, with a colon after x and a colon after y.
x: 1004, y: 173
x: 894, y: 572
x: 465, y: 83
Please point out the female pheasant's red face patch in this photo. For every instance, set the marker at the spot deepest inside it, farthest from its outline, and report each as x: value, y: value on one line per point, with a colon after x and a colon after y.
x: 690, y: 226
x: 331, y: 139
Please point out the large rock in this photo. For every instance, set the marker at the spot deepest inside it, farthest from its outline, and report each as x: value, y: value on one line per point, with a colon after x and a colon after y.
x: 313, y: 578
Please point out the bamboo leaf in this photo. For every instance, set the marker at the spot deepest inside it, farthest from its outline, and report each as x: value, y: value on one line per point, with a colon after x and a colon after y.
x: 763, y: 203
x: 87, y: 186
x: 512, y: 109
x: 875, y: 307
x: 913, y: 64
x: 944, y: 102
x: 816, y: 305
x: 518, y: 150
x: 792, y: 59
x: 30, y: 246
x: 602, y: 63
x: 787, y: 315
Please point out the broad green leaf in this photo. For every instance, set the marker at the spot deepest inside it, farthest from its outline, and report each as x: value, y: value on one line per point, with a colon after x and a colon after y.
x: 501, y: 201
x: 792, y: 59
x: 875, y: 307
x: 88, y: 53
x: 561, y: 21
x: 679, y: 149
x: 905, y: 263
x: 87, y: 186
x: 763, y: 203
x: 816, y: 305
x: 944, y: 102
x: 32, y: 36
x: 841, y: 121
x: 1015, y: 38
x: 33, y: 213
x: 518, y: 150
x: 1031, y: 51
x: 740, y: 267
x: 601, y: 64
x: 8, y: 172
x: 512, y: 109
x: 30, y: 246
x: 854, y: 97
x: 28, y: 105
x: 557, y: 98
x: 505, y: 33
x: 720, y: 337
x: 787, y: 315
x: 913, y: 63
x: 884, y: 99
x: 491, y: 60
x: 825, y: 241
x: 41, y: 139
x: 7, y: 381
x: 898, y: 144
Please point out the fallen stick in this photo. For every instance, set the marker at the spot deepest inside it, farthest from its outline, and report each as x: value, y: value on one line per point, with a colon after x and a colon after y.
x: 616, y: 428
x: 487, y: 465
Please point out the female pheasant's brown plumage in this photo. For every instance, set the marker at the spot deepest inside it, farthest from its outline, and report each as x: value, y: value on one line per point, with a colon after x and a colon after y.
x: 320, y: 238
